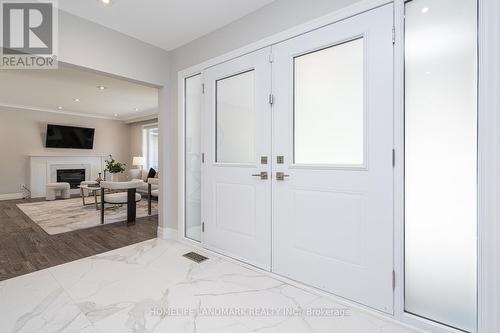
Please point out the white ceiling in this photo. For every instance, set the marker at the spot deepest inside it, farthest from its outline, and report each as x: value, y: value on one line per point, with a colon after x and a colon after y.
x: 167, y: 24
x: 46, y: 90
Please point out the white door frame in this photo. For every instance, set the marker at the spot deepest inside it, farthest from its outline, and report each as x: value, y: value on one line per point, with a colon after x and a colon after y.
x: 488, y: 164
x: 181, y: 120
x: 488, y: 145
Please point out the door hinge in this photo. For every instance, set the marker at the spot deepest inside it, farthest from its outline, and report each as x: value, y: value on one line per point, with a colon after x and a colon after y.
x: 202, y: 157
x: 271, y: 57
x: 271, y: 99
x: 203, y: 88
x: 393, y: 280
x: 393, y: 35
x: 394, y: 158
x: 202, y: 226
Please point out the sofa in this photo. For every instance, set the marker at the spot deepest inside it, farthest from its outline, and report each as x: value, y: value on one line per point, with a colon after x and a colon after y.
x: 134, y: 174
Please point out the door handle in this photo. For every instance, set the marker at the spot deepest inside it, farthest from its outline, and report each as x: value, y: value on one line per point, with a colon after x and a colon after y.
x: 262, y: 175
x: 281, y: 176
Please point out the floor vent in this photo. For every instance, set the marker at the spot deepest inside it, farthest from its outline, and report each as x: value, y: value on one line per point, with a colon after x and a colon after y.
x: 195, y: 257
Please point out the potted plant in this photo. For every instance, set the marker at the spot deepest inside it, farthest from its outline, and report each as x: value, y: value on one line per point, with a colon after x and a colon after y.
x: 114, y: 168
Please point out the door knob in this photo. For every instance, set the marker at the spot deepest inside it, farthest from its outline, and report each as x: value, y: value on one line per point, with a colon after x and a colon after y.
x: 262, y: 175
x: 281, y: 176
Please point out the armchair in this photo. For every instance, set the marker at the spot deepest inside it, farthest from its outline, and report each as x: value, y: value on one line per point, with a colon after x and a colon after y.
x: 131, y: 197
x: 138, y: 174
x: 152, y: 191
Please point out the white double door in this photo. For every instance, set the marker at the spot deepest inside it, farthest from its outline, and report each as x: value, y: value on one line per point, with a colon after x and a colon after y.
x: 298, y: 173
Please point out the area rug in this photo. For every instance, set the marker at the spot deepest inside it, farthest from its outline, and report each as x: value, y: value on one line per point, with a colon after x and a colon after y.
x: 60, y: 216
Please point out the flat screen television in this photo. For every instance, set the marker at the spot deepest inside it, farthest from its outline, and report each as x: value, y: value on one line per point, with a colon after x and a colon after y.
x: 69, y: 137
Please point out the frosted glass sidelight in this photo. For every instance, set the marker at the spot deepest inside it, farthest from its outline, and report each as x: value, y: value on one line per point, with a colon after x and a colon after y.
x: 441, y: 161
x: 235, y: 118
x: 328, y: 105
x: 193, y: 101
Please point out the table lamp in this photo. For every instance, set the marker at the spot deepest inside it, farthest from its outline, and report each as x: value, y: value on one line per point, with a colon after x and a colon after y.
x: 138, y: 161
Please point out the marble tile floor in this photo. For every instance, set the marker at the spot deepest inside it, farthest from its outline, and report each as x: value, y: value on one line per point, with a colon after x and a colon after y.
x: 150, y: 287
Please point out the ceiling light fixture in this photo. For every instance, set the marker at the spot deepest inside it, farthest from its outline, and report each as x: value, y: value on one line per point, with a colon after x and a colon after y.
x: 59, y: 107
x: 116, y: 114
x: 101, y: 87
x: 106, y: 2
x: 425, y: 10
x: 76, y: 100
x: 136, y: 109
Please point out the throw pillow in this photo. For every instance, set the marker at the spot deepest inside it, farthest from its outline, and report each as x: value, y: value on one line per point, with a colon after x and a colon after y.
x: 151, y: 173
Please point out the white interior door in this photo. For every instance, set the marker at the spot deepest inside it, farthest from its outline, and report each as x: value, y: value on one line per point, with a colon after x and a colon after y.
x: 237, y: 189
x: 333, y: 212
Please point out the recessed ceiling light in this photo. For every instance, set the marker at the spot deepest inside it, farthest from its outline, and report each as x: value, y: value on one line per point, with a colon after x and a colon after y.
x: 76, y: 100
x: 116, y: 114
x: 136, y: 109
x: 107, y: 3
x: 425, y: 10
x: 59, y: 107
x: 101, y: 87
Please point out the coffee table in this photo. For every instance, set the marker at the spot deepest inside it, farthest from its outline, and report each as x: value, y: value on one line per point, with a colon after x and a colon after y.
x: 94, y: 190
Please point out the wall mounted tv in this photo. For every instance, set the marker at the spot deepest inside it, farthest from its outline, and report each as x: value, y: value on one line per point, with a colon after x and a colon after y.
x: 69, y: 137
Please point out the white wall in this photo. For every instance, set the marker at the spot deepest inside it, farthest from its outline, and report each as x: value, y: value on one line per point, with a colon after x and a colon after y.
x: 278, y: 16
x: 273, y: 18
x: 86, y: 44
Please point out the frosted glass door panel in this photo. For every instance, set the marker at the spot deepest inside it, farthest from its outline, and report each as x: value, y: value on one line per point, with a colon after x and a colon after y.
x: 440, y: 162
x: 193, y: 100
x: 235, y: 118
x: 328, y: 105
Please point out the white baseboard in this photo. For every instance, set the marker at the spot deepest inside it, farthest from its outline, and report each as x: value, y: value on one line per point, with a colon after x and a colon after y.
x: 11, y: 196
x: 167, y: 233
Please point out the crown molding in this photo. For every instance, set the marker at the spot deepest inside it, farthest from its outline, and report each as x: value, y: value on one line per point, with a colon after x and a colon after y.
x: 131, y: 119
x: 140, y: 117
x: 79, y: 114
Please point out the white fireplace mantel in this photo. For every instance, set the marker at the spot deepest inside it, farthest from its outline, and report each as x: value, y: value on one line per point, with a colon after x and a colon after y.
x: 43, y: 169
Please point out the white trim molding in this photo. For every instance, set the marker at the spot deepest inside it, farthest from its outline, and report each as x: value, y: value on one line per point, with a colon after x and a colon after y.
x: 488, y: 168
x: 134, y: 118
x: 11, y: 196
x: 139, y: 118
x: 32, y: 108
x: 338, y: 15
x: 488, y: 171
x: 181, y: 165
x: 167, y: 233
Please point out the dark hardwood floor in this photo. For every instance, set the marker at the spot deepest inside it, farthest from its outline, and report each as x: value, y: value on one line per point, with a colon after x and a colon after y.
x: 25, y: 247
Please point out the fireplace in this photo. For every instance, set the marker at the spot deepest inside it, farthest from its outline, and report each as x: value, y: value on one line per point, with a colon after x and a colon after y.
x: 72, y: 176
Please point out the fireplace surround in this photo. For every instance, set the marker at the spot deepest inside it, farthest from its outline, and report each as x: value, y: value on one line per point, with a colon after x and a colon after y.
x: 43, y: 170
